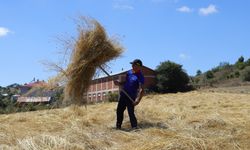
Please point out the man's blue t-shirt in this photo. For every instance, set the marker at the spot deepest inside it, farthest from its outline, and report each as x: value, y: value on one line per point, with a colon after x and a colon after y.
x: 133, y: 80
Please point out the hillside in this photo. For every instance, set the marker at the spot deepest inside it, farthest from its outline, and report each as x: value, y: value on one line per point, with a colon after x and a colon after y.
x: 224, y: 75
x: 194, y: 120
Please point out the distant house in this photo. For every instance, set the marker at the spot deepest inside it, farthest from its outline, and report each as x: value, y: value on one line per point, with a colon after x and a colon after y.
x: 26, y: 87
x: 34, y: 96
x: 101, y: 87
x: 22, y: 100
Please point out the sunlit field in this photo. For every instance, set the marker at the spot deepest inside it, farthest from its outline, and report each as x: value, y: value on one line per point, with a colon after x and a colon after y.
x: 195, y: 120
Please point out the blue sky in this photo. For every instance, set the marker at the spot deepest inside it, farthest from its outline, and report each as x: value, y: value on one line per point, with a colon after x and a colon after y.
x: 198, y: 34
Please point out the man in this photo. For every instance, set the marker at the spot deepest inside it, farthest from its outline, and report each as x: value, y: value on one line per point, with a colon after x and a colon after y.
x: 133, y: 87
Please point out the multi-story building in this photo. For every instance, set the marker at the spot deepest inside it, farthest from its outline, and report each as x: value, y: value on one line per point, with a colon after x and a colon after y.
x: 101, y: 87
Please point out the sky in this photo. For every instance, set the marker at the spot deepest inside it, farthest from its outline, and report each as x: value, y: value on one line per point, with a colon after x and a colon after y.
x: 197, y: 34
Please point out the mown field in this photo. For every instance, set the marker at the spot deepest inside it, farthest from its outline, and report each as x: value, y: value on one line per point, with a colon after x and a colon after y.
x: 203, y: 120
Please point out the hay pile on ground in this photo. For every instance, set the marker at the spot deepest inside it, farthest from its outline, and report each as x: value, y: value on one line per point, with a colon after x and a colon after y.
x: 92, y: 49
x: 182, y: 121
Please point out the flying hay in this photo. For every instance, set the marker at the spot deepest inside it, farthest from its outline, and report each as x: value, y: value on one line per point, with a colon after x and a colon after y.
x: 91, y: 49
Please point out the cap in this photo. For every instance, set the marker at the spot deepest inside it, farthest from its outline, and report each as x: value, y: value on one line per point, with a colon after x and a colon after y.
x: 137, y: 62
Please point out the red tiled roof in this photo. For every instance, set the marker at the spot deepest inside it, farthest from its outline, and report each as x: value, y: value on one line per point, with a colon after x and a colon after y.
x: 35, y: 84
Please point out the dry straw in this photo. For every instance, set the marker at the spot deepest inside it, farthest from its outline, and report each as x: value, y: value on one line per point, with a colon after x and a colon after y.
x: 220, y: 121
x: 92, y: 49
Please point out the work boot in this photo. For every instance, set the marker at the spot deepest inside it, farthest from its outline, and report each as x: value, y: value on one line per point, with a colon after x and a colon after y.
x: 118, y: 127
x: 134, y: 129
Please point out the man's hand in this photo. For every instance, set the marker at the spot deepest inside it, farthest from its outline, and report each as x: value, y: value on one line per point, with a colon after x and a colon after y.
x: 139, y: 97
x: 117, y: 82
x: 136, y: 102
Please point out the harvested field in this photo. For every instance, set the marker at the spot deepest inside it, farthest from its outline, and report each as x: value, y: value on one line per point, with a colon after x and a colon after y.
x: 235, y: 89
x: 194, y: 120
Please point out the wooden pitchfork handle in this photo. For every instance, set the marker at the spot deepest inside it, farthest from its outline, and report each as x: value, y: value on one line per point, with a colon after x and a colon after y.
x: 121, y: 88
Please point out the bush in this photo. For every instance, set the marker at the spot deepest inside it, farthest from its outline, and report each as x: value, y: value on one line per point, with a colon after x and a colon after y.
x: 247, y: 63
x: 246, y: 74
x: 216, y: 69
x: 240, y: 65
x: 230, y: 76
x: 196, y: 80
x: 171, y: 77
x: 209, y: 75
x: 237, y: 74
x: 113, y: 97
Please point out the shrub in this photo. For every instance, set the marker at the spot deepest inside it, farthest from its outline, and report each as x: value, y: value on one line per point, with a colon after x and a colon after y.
x: 247, y: 63
x: 230, y: 76
x: 216, y: 69
x: 240, y: 65
x: 237, y: 74
x: 113, y: 97
x: 246, y: 74
x: 209, y: 75
x: 196, y: 80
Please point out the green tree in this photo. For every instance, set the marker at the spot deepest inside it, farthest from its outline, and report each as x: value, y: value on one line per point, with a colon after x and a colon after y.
x: 171, y: 77
x: 240, y: 63
x: 241, y: 59
x: 198, y: 72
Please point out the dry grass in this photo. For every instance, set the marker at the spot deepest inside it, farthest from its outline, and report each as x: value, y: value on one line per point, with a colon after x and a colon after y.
x: 233, y: 89
x: 92, y: 49
x: 195, y: 120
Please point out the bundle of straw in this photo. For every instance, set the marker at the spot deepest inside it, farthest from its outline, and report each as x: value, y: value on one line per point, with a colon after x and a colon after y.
x: 92, y: 49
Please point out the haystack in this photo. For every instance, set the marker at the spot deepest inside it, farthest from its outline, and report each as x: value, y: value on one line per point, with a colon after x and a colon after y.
x: 92, y: 49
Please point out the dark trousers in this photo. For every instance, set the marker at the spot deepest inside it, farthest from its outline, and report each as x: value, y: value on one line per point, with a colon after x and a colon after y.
x: 124, y: 102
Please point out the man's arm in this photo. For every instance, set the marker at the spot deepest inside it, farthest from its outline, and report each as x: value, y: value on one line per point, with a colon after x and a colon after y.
x: 119, y: 83
x: 140, y: 95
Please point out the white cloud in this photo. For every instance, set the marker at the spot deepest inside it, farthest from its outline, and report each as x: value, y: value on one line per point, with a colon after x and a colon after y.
x: 184, y: 9
x: 184, y: 56
x: 4, y: 31
x: 123, y: 7
x: 211, y: 9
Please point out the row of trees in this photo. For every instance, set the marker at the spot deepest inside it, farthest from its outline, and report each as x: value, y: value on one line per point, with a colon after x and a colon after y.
x: 172, y: 78
x: 241, y: 69
x: 242, y: 64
